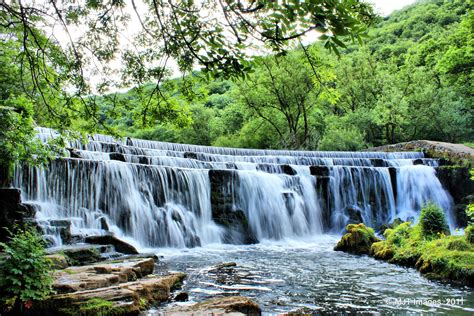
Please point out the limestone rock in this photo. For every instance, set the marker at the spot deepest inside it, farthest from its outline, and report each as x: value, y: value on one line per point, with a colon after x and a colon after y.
x: 122, y: 287
x: 119, y: 245
x: 237, y: 305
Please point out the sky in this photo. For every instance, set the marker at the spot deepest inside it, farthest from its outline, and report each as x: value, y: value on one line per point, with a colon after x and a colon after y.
x: 385, y: 7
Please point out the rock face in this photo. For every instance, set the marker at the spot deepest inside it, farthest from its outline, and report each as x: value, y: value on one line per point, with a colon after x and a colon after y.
x: 112, y: 288
x: 12, y: 211
x: 119, y: 245
x: 238, y: 230
x: 358, y: 239
x: 457, y: 180
x: 237, y: 305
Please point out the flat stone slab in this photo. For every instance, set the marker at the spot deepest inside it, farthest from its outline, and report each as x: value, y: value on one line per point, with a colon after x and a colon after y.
x: 229, y: 305
x: 101, y: 275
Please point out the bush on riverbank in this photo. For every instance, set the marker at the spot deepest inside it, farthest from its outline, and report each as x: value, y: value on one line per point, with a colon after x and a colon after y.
x: 25, y: 272
x: 426, y: 247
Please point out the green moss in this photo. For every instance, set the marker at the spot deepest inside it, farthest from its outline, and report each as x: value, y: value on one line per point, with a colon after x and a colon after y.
x: 382, y: 250
x: 93, y: 306
x: 97, y: 306
x: 358, y: 239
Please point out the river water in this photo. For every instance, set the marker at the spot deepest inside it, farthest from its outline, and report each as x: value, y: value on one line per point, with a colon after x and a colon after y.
x: 309, y: 275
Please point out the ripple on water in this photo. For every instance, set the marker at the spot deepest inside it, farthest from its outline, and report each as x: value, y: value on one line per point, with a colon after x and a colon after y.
x: 291, y: 275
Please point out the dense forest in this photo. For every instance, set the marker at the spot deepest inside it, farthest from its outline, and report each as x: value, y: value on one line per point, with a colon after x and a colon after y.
x: 411, y: 79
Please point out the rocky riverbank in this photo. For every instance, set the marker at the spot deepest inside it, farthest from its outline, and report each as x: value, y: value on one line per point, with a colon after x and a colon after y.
x: 120, y: 287
x: 439, y: 257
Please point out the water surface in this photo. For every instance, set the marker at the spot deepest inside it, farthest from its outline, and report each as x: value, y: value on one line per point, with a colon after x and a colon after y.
x: 292, y: 275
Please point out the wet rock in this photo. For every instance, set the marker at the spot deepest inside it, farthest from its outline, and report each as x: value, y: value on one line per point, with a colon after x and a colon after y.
x: 58, y: 261
x: 235, y: 222
x: 237, y: 226
x: 355, y: 215
x: 418, y: 162
x: 119, y: 245
x: 220, y: 305
x: 82, y: 254
x: 321, y: 171
x: 73, y: 153
x: 103, y: 224
x: 12, y: 211
x: 358, y: 239
x: 376, y: 162
x: 190, y: 155
x: 117, y: 156
x: 181, y: 297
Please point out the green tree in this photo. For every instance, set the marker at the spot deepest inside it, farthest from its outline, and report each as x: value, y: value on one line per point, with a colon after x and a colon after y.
x: 288, y: 93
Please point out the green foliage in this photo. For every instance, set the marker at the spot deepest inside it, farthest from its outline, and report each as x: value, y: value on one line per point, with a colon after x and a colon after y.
x: 433, y: 221
x: 25, y: 272
x: 447, y: 258
x: 345, y: 139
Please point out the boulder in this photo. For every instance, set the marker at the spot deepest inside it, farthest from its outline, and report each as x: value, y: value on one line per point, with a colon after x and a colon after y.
x: 58, y: 261
x: 119, y: 245
x: 239, y: 305
x: 358, y: 239
x: 181, y: 297
x: 80, y: 254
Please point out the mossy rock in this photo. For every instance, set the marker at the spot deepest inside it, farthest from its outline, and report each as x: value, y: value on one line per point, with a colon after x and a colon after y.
x: 358, y: 239
x: 382, y: 250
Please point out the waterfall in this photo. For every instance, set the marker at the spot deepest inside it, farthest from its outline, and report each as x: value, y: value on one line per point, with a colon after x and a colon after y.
x: 176, y: 195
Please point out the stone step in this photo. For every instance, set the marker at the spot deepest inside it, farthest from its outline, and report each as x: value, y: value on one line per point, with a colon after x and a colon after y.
x: 102, y: 275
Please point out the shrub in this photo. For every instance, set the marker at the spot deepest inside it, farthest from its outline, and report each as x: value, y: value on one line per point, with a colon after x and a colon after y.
x: 25, y: 272
x: 433, y: 221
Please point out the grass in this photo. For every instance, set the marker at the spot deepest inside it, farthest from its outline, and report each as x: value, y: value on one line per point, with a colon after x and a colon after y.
x: 469, y: 144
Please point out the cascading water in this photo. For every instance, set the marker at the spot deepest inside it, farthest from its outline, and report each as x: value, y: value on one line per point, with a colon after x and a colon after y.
x: 176, y: 195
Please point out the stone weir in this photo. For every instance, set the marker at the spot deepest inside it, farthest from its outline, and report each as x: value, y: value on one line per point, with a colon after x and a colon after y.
x: 156, y: 194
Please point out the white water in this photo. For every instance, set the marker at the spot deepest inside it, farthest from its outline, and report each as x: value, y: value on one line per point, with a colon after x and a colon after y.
x: 161, y: 194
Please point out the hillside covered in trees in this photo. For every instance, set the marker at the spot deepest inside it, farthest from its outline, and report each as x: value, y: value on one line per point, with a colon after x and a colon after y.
x: 411, y: 79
